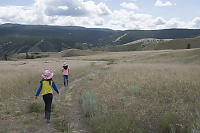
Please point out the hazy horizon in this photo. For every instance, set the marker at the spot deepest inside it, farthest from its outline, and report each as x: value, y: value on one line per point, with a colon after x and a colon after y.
x: 98, y: 27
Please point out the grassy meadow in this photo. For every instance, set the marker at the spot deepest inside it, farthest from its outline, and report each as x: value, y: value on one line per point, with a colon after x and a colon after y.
x: 153, y: 91
x: 146, y: 45
x: 118, y: 92
x: 22, y: 78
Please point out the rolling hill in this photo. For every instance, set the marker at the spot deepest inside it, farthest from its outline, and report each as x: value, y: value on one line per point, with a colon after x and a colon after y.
x: 127, y: 36
x: 155, y: 44
x: 16, y: 38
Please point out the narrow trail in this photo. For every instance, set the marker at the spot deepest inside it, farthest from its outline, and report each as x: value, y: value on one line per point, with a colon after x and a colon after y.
x: 69, y: 102
x: 75, y: 114
x: 67, y: 108
x: 35, y: 122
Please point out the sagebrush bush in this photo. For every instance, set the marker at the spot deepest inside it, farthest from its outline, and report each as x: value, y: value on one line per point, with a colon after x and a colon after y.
x: 63, y: 126
x: 171, y: 123
x: 120, y: 121
x: 133, y: 90
x: 36, y: 107
x: 90, y: 104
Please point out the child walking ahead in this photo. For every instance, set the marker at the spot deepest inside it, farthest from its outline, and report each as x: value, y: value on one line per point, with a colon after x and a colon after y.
x: 46, y: 86
x: 65, y: 71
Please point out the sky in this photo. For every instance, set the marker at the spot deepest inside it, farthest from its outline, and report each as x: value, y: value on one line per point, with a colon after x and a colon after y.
x: 113, y: 14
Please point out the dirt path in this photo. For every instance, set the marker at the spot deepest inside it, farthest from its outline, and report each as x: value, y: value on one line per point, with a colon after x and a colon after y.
x: 66, y: 117
x: 75, y: 114
x: 14, y: 117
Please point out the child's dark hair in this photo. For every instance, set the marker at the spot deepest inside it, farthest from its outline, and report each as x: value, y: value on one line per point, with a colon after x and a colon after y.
x: 65, y: 67
x: 47, y: 80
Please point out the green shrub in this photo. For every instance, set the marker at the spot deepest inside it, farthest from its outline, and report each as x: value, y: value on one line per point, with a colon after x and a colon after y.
x: 36, y: 107
x: 133, y: 90
x: 63, y: 126
x: 116, y: 122
x: 171, y: 123
x: 90, y: 104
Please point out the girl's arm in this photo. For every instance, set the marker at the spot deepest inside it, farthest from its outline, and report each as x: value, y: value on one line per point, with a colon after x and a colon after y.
x: 39, y: 90
x: 55, y: 88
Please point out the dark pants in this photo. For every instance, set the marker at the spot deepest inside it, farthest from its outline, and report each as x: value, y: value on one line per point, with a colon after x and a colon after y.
x: 65, y: 77
x: 48, y: 101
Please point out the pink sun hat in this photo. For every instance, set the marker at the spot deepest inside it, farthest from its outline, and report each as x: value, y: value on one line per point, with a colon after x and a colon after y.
x: 47, y: 74
x: 65, y: 64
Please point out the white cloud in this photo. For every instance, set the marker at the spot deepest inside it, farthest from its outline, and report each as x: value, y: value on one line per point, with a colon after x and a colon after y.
x: 129, y: 6
x: 103, y: 9
x: 99, y: 9
x: 17, y: 14
x: 99, y: 22
x: 159, y: 21
x: 175, y: 23
x: 71, y: 7
x: 195, y: 22
x: 124, y: 19
x: 172, y: 23
x: 63, y: 7
x: 88, y: 14
x: 159, y: 3
x: 74, y: 8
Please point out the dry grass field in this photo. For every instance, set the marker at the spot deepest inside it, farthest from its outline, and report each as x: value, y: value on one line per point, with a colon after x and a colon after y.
x: 117, y: 92
x: 19, y: 78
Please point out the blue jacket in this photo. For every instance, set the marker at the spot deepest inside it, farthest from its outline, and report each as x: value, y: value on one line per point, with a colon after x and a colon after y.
x: 41, y: 87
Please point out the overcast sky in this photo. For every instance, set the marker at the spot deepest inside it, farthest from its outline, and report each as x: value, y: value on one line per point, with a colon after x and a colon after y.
x: 114, y: 14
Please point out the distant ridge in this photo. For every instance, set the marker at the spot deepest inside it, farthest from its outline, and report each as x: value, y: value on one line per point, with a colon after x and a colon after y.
x: 18, y: 38
x: 133, y: 35
x: 155, y: 44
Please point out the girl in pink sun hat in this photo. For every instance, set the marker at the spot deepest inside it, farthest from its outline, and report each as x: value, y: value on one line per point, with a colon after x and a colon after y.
x: 46, y: 86
x: 65, y: 72
x: 47, y: 74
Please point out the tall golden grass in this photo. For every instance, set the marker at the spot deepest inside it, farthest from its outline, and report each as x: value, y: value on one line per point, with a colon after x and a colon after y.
x: 147, y: 97
x: 22, y: 78
x: 140, y: 92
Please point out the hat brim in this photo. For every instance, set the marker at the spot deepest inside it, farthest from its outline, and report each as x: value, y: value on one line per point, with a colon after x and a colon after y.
x: 47, y: 77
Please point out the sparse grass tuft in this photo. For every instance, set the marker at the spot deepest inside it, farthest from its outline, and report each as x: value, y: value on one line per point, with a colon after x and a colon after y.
x: 36, y: 107
x: 116, y: 121
x: 90, y: 104
x: 63, y: 126
x: 133, y: 90
x: 28, y: 121
x: 171, y: 123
